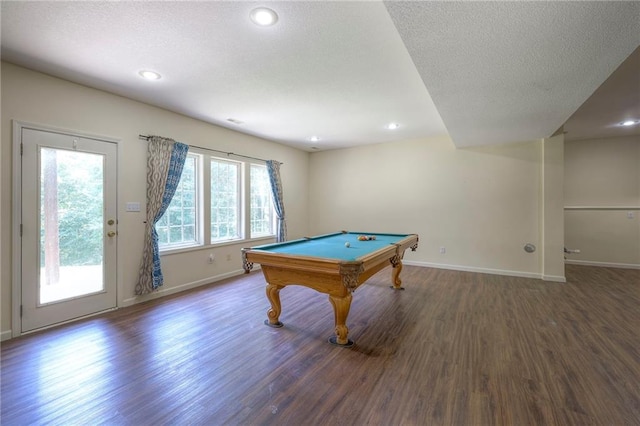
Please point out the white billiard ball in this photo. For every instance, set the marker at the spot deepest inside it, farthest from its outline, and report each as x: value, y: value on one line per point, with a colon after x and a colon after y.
x: 347, y: 244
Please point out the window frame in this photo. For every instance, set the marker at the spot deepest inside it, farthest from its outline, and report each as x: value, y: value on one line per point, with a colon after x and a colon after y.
x: 198, y: 240
x: 272, y: 214
x: 203, y: 205
x: 239, y: 202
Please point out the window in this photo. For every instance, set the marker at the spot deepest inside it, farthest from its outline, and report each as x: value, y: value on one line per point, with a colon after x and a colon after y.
x: 262, y: 214
x: 223, y: 201
x: 178, y: 226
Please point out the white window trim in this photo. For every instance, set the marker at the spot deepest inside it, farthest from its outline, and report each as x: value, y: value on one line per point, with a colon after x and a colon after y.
x: 203, y: 207
x: 273, y: 210
x: 198, y: 232
x: 239, y: 206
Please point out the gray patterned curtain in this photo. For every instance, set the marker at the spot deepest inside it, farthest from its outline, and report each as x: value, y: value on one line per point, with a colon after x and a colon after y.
x: 165, y: 160
x: 273, y: 167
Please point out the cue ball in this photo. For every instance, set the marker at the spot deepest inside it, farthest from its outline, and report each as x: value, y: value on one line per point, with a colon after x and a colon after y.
x: 347, y: 244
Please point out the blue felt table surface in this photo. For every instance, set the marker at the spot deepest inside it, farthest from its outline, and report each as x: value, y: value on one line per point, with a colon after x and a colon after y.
x: 332, y: 246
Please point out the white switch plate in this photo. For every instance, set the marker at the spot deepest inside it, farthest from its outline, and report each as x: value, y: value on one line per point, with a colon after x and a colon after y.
x: 133, y: 207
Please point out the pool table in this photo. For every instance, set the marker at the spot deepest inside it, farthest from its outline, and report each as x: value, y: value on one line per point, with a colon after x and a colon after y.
x: 334, y: 264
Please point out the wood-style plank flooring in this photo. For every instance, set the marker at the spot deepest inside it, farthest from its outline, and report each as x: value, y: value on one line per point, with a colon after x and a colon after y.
x: 454, y: 348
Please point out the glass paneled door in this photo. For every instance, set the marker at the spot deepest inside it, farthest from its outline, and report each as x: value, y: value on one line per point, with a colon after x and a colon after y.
x: 69, y: 227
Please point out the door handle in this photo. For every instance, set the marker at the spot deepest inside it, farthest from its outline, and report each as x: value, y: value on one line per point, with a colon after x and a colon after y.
x: 111, y: 234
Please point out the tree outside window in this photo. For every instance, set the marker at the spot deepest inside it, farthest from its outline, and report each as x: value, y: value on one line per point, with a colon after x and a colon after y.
x: 217, y: 193
x: 262, y: 216
x: 177, y: 227
x: 225, y: 196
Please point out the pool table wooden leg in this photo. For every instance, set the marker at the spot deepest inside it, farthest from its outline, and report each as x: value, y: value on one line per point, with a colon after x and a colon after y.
x: 396, y: 261
x: 341, y: 306
x: 273, y: 314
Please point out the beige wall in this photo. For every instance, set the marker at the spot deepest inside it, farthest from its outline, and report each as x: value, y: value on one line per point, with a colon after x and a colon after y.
x: 553, y: 208
x: 602, y: 177
x: 36, y: 98
x: 483, y: 204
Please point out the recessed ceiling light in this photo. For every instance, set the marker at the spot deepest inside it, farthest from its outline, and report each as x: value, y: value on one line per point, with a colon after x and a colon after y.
x: 392, y: 126
x: 263, y: 16
x: 149, y: 75
x: 629, y: 122
x: 314, y: 138
x: 235, y: 121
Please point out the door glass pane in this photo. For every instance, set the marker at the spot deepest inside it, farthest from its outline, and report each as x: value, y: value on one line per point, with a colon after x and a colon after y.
x: 71, y: 224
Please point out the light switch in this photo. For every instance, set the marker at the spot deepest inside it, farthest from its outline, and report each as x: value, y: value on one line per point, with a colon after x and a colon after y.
x: 133, y: 207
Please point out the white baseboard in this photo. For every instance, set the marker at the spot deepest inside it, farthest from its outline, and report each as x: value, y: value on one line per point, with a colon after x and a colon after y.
x: 5, y: 335
x: 8, y: 334
x: 603, y: 264
x: 487, y: 271
x: 177, y: 289
x: 554, y: 278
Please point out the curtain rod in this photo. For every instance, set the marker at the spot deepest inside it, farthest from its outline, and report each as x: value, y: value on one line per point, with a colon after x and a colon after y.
x: 146, y: 138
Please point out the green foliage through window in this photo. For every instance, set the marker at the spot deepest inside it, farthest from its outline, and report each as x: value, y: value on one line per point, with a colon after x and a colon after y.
x: 178, y: 224
x: 223, y: 205
x: 77, y: 182
x: 261, y: 206
x: 225, y: 194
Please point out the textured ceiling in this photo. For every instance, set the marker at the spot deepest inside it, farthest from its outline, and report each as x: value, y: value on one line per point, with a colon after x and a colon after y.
x: 484, y: 73
x: 510, y: 71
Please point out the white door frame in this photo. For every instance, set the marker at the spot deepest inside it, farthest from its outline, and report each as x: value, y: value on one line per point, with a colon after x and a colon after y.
x: 16, y: 288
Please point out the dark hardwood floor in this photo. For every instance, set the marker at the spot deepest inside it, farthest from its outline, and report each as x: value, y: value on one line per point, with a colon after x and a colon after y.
x: 454, y: 348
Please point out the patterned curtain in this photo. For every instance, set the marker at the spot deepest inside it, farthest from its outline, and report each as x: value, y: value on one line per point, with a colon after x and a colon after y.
x: 273, y: 167
x: 165, y: 160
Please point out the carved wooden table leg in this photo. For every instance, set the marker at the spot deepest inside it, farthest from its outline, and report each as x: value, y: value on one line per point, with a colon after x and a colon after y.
x: 341, y: 306
x: 396, y: 261
x: 273, y: 294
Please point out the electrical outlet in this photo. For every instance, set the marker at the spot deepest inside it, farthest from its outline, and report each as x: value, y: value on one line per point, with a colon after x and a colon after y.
x: 228, y: 257
x: 630, y: 215
x: 443, y: 250
x: 211, y: 258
